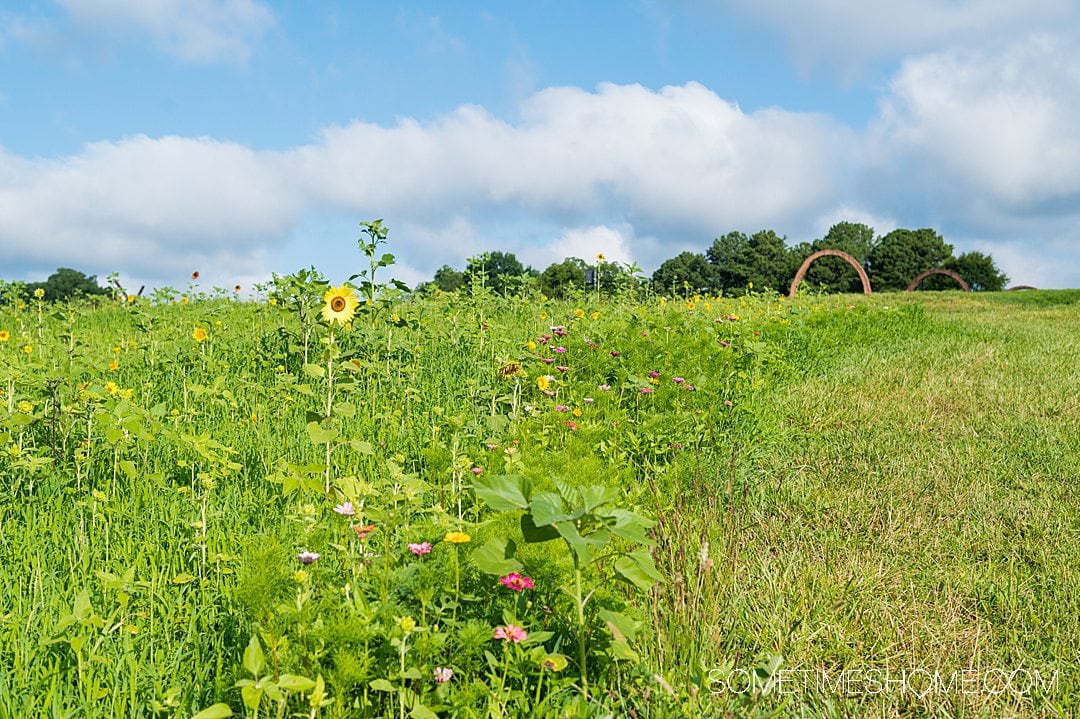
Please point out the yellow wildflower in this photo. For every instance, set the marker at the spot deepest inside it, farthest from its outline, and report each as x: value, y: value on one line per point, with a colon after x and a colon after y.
x: 199, y: 335
x: 112, y: 387
x: 579, y: 313
x: 340, y: 305
x: 113, y: 366
x: 26, y: 407
x: 530, y: 345
x: 4, y: 335
x: 39, y: 293
x: 457, y: 537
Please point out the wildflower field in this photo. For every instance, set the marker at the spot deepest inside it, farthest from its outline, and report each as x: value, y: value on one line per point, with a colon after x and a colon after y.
x: 335, y: 502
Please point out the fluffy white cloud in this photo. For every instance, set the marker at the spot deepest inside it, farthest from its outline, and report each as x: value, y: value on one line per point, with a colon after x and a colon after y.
x: 615, y: 243
x: 845, y: 34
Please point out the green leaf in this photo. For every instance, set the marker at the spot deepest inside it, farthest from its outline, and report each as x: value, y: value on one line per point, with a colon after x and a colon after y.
x: 295, y: 683
x: 534, y: 534
x: 319, y: 435
x: 420, y: 711
x: 83, y: 608
x: 361, y: 446
x: 630, y: 525
x: 315, y: 370
x: 496, y: 556
x: 128, y: 468
x: 584, y: 546
x: 381, y: 685
x: 254, y: 661
x: 218, y: 711
x: 639, y: 569
x: 620, y: 625
x: 596, y: 496
x: 547, y: 508
x: 345, y: 410
x: 503, y: 492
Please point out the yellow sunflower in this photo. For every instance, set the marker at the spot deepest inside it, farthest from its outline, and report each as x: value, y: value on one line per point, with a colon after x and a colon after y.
x: 340, y: 305
x: 199, y: 335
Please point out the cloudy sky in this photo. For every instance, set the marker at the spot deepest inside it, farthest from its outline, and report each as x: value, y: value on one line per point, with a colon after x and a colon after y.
x: 153, y: 138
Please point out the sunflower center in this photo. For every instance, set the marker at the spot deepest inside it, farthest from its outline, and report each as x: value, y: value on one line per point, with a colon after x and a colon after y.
x: 337, y: 304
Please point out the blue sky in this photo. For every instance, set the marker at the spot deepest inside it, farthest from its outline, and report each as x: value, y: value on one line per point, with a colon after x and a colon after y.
x: 240, y: 138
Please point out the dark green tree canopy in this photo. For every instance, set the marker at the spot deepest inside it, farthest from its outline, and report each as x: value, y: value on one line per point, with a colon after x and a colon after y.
x: 686, y: 273
x: 902, y: 254
x: 448, y: 279
x: 979, y: 271
x: 504, y: 272
x: 561, y: 279
x: 66, y: 283
x: 762, y: 259
x: 833, y: 273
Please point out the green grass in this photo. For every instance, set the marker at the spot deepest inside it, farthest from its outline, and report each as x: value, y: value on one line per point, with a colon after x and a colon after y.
x: 882, y: 483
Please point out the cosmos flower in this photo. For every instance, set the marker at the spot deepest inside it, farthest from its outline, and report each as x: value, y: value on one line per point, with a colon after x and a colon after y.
x: 346, y: 509
x: 306, y: 557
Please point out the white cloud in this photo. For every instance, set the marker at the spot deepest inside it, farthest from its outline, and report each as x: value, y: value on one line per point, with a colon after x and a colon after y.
x: 1000, y: 127
x: 846, y: 34
x: 977, y: 146
x: 615, y: 243
x: 191, y: 30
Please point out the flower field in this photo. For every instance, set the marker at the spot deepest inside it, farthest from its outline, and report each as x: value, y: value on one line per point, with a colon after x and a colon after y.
x: 336, y: 501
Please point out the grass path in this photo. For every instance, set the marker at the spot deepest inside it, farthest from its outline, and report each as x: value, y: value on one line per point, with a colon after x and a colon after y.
x: 919, y: 508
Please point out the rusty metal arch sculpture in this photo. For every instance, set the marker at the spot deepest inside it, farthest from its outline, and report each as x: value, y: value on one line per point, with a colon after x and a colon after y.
x: 1021, y: 287
x: 830, y: 253
x: 937, y: 271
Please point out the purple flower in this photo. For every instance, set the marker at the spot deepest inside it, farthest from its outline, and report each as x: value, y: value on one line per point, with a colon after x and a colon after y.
x: 654, y: 373
x: 677, y: 380
x: 306, y: 557
x: 345, y: 509
x: 443, y: 674
x: 646, y: 390
x: 561, y: 408
x: 560, y: 350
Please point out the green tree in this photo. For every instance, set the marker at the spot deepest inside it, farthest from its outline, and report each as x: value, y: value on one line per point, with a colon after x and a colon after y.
x: 685, y: 273
x: 562, y: 278
x: 503, y: 272
x: 66, y: 283
x: 834, y: 273
x: 762, y: 259
x: 979, y: 271
x: 448, y: 279
x: 902, y: 254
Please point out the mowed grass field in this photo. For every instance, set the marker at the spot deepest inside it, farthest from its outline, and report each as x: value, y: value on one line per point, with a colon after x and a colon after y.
x: 848, y: 506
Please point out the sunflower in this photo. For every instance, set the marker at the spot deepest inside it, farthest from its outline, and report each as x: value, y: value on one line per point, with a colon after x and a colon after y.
x: 340, y: 305
x: 39, y: 293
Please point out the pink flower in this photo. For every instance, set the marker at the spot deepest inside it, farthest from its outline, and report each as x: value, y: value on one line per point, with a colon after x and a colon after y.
x: 588, y: 400
x: 306, y: 557
x: 646, y: 390
x: 511, y: 633
x: 477, y: 471
x: 492, y: 447
x: 547, y: 360
x: 613, y: 353
x: 560, y: 350
x: 346, y: 509
x: 517, y: 582
x: 723, y: 343
x: 443, y: 674
x: 677, y: 380
x: 420, y: 549
x: 604, y: 388
x: 654, y: 373
x: 549, y: 393
x: 562, y: 368
x: 562, y: 408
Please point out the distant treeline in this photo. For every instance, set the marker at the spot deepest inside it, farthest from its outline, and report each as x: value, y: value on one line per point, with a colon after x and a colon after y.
x: 737, y: 261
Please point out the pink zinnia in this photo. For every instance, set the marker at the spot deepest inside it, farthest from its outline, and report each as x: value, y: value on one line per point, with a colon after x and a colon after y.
x: 420, y: 549
x: 677, y: 380
x: 562, y: 408
x: 560, y: 350
x: 517, y: 582
x: 477, y: 471
x: 654, y: 373
x: 646, y: 390
x: 511, y: 633
x: 547, y: 360
x: 562, y: 368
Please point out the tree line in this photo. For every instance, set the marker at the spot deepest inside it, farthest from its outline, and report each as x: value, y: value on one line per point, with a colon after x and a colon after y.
x: 737, y: 261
